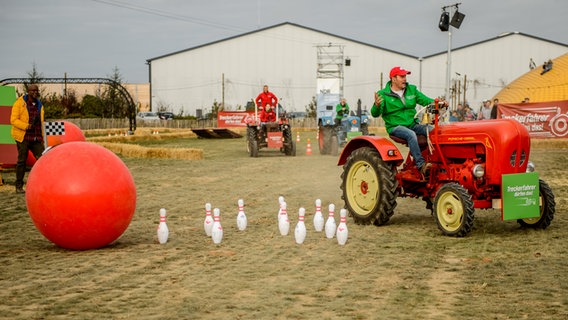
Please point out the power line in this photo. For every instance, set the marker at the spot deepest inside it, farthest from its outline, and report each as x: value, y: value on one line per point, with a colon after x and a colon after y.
x: 166, y: 14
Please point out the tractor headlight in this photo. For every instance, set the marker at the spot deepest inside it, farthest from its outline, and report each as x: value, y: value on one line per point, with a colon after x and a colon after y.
x: 530, y: 166
x: 327, y: 121
x: 478, y: 171
x: 365, y: 120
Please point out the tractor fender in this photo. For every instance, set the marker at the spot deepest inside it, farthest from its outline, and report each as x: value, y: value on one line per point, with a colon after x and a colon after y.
x: 386, y: 148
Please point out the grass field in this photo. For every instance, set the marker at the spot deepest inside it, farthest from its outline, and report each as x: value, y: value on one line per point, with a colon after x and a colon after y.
x: 404, y: 270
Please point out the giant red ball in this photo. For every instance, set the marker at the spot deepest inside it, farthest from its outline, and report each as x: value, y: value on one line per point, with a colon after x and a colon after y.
x: 80, y: 196
x: 72, y: 133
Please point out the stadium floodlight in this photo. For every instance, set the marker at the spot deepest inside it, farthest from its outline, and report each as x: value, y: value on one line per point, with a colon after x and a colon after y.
x: 444, y: 24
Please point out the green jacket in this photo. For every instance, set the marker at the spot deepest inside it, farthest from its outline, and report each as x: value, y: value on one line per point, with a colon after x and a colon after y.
x: 339, y: 112
x: 394, y: 111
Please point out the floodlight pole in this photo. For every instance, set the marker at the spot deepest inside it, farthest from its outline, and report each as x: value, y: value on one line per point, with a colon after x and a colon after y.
x: 453, y: 8
x: 449, y: 64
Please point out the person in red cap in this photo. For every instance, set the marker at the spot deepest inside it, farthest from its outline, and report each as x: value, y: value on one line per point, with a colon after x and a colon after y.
x: 266, y: 102
x: 396, y: 103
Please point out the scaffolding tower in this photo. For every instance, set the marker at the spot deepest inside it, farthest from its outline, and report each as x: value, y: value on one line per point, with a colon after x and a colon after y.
x: 330, y: 63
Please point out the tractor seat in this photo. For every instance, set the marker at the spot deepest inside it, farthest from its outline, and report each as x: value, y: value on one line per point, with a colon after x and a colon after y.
x: 422, y: 141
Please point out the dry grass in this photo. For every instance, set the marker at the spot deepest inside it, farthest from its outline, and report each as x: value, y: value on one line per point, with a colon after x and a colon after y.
x: 404, y: 270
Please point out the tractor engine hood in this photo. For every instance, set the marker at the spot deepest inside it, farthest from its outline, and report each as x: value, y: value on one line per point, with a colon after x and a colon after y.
x: 504, y: 143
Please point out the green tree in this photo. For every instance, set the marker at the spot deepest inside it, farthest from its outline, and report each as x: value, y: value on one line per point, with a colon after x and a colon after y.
x: 34, y: 76
x: 114, y: 104
x: 53, y: 107
x: 311, y: 108
x: 92, y: 106
x: 215, y: 108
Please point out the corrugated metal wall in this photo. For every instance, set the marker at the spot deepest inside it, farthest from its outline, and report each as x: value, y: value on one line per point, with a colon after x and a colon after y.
x: 285, y: 57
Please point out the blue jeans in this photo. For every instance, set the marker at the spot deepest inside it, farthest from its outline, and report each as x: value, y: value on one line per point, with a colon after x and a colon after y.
x: 409, y: 134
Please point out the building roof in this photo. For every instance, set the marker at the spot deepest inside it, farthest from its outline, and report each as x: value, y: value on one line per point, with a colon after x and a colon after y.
x: 276, y: 26
x: 501, y: 36
x: 538, y: 86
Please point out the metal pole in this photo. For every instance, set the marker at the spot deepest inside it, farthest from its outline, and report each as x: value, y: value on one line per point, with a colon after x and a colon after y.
x: 449, y: 63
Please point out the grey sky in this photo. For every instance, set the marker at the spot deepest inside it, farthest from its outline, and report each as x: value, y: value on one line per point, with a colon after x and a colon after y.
x: 88, y: 38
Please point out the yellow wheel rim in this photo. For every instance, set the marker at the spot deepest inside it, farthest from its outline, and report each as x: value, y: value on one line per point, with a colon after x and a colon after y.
x: 361, y: 186
x: 450, y: 211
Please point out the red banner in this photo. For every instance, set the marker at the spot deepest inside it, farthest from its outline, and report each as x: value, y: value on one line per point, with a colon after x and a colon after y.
x: 231, y: 119
x: 542, y: 119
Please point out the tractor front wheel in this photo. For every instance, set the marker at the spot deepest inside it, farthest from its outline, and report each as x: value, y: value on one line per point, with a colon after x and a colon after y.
x: 547, y: 209
x: 369, y: 187
x: 453, y: 210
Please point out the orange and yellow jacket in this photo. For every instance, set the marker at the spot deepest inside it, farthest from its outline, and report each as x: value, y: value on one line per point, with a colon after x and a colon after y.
x: 20, y: 118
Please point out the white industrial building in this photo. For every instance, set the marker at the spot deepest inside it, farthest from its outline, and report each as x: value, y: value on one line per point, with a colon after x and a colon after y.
x: 285, y: 57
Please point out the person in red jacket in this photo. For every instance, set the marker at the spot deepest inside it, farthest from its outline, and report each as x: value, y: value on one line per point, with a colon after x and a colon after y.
x: 266, y: 102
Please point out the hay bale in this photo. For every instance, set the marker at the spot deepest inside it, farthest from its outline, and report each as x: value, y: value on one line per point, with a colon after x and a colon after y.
x: 136, y: 151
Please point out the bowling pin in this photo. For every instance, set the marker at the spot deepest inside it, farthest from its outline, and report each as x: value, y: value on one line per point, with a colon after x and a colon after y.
x: 318, y: 217
x: 283, y: 222
x: 163, y: 231
x: 300, y: 231
x: 280, y: 201
x: 342, y: 231
x: 217, y: 230
x: 208, y: 223
x: 241, y: 217
x: 330, y: 225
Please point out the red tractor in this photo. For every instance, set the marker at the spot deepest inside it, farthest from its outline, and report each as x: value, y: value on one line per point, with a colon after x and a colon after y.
x: 275, y: 134
x: 470, y: 163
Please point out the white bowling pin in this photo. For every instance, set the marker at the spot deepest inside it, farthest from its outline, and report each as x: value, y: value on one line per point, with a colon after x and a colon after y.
x: 280, y: 201
x: 241, y: 217
x: 330, y: 225
x: 163, y: 231
x: 318, y: 217
x: 342, y: 231
x: 217, y: 231
x: 300, y: 231
x: 283, y: 222
x: 208, y: 223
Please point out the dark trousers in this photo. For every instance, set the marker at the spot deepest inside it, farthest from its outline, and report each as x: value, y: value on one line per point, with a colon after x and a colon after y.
x: 36, y: 147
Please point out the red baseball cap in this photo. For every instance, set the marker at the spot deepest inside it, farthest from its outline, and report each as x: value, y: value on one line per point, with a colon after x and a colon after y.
x: 398, y: 71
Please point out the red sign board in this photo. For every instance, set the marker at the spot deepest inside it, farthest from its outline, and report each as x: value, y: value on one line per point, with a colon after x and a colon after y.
x: 231, y: 119
x: 275, y: 140
x: 542, y: 119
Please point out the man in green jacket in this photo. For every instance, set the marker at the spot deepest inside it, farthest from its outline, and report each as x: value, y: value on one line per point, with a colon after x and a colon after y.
x: 27, y: 129
x: 396, y: 103
x: 341, y: 111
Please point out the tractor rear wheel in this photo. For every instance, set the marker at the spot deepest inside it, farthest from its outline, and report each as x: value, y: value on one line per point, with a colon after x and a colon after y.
x: 252, y: 144
x: 253, y: 148
x: 365, y: 129
x: 547, y: 209
x: 453, y: 210
x: 369, y: 187
x: 324, y: 136
x: 333, y: 146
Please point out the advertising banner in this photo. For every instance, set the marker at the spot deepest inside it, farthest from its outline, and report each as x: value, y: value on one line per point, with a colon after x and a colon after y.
x: 542, y: 119
x: 232, y: 119
x: 520, y: 196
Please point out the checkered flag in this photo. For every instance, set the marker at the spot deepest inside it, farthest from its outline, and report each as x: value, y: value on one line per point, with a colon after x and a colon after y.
x: 56, y: 128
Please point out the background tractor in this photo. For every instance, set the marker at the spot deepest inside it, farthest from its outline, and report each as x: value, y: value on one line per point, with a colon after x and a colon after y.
x: 332, y: 137
x: 272, y: 135
x: 475, y: 165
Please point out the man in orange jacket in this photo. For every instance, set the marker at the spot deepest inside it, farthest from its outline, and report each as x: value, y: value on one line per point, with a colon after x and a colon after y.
x: 27, y: 129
